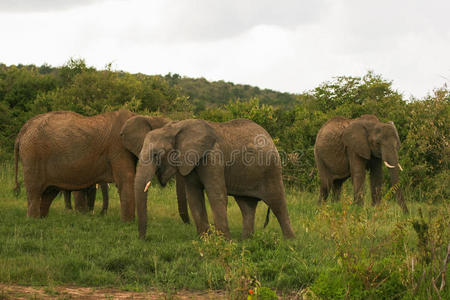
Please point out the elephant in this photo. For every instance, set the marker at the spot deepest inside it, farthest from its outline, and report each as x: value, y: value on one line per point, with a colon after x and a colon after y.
x: 236, y: 158
x: 63, y: 150
x: 347, y: 147
x: 85, y: 198
x: 133, y: 134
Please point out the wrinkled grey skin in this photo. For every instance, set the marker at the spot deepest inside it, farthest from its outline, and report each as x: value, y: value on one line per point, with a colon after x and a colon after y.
x: 85, y: 199
x: 201, y: 171
x: 133, y: 134
x: 67, y: 151
x: 347, y: 148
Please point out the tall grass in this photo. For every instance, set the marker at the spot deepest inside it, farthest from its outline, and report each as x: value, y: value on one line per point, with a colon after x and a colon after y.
x: 69, y: 248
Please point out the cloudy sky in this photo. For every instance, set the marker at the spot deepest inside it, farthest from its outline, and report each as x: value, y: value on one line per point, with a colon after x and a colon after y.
x: 286, y: 45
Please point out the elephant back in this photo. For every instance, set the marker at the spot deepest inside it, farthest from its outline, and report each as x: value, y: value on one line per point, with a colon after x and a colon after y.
x: 64, y: 133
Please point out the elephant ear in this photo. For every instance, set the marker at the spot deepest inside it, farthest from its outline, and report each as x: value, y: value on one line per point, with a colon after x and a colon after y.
x: 135, y: 129
x: 355, y: 138
x: 193, y: 140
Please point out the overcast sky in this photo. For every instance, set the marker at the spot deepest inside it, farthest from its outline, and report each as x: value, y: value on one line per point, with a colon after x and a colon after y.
x: 285, y: 45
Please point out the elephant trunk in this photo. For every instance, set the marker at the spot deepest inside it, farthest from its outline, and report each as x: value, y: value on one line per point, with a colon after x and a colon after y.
x: 391, y: 161
x: 144, y: 175
x: 390, y: 158
x: 182, y: 201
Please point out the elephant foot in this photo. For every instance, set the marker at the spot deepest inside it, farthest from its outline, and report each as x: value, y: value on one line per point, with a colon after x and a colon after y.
x: 33, y: 216
x: 289, y: 236
x: 185, y: 218
x: 127, y: 218
x: 246, y: 235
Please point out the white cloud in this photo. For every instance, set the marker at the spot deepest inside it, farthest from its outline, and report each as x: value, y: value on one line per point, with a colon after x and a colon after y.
x: 285, y: 45
x: 24, y: 6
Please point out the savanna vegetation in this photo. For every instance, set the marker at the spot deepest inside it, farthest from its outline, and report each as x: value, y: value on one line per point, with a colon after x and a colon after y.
x: 341, y: 251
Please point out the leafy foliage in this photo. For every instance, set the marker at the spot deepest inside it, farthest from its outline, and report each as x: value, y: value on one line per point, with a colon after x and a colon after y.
x: 205, y: 94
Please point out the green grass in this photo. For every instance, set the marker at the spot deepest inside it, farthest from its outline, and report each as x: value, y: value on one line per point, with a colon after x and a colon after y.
x: 69, y: 248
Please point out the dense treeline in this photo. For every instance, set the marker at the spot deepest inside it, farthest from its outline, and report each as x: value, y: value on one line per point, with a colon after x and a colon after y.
x: 292, y: 120
x: 204, y: 94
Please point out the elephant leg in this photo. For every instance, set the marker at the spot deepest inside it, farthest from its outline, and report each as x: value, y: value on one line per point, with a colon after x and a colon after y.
x: 358, y: 173
x: 91, y: 192
x: 181, y: 197
x: 248, y: 209
x: 67, y: 200
x: 105, y: 196
x: 325, y: 185
x: 325, y: 182
x: 80, y: 201
x: 337, y: 188
x: 34, y: 188
x: 212, y: 178
x: 196, y: 199
x: 376, y: 179
x: 276, y: 201
x: 218, y: 200
x: 123, y: 174
x: 47, y: 199
x: 34, y: 202
x: 278, y: 206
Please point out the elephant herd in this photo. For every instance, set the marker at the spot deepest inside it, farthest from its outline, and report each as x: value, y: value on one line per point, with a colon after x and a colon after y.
x: 65, y: 151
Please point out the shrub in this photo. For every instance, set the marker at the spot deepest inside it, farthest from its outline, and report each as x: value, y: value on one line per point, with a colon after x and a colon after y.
x: 238, y: 270
x: 369, y: 256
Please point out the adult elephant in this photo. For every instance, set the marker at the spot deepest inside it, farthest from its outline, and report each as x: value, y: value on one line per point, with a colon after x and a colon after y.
x: 236, y: 158
x: 347, y: 147
x: 85, y: 198
x: 133, y: 133
x: 67, y: 151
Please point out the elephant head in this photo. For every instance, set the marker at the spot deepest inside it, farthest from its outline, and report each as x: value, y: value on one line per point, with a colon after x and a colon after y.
x: 367, y: 136
x: 176, y: 147
x: 134, y: 130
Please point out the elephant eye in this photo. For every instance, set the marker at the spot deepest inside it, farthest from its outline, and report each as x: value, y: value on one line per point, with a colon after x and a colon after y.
x: 155, y: 156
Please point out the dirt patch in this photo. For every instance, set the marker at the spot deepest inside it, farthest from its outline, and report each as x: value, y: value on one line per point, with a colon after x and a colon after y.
x: 8, y: 291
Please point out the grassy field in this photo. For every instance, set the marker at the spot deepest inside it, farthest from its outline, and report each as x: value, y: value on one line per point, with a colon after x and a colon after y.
x: 341, y: 251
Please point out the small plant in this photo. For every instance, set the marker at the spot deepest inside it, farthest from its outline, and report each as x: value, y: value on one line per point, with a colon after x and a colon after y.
x: 238, y: 270
x: 426, y: 267
x: 262, y: 293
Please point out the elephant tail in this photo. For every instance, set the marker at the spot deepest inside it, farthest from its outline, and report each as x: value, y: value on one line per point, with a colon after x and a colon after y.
x: 267, y: 217
x: 16, y: 189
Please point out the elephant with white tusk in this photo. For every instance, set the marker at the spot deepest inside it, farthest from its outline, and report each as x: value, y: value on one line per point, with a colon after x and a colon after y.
x: 347, y: 148
x: 236, y: 158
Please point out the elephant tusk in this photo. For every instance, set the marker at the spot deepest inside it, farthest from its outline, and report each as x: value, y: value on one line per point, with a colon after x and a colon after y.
x: 400, y: 167
x: 146, y: 187
x: 388, y: 165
